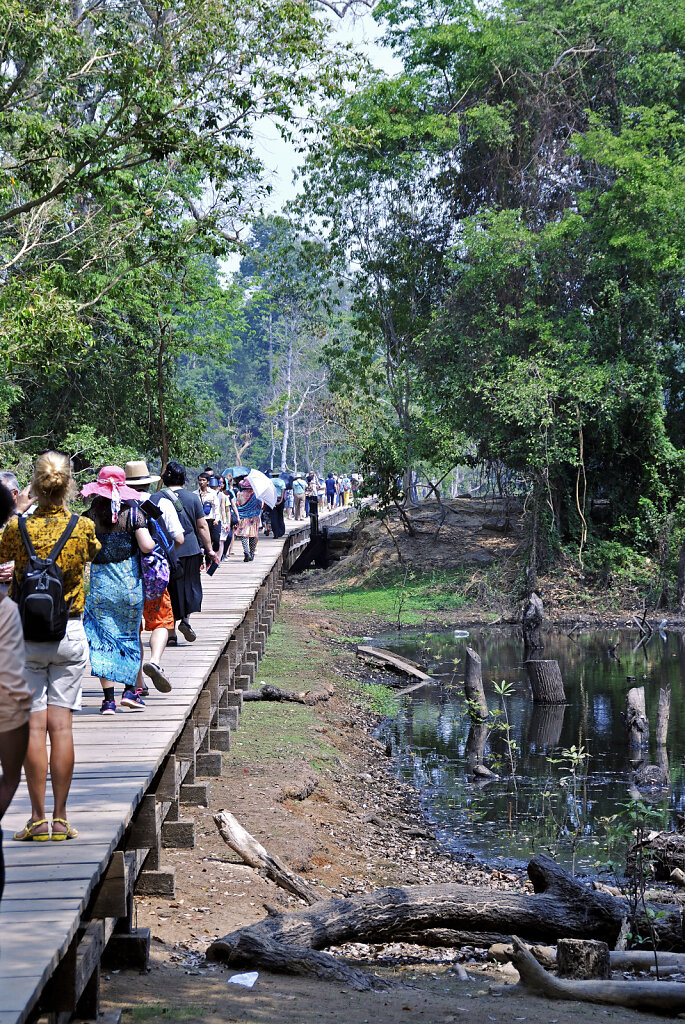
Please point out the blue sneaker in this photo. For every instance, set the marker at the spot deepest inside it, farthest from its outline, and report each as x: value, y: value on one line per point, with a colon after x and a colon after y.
x: 108, y: 707
x: 133, y: 701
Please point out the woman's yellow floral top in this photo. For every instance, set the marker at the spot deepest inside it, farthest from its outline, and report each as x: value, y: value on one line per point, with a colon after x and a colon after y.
x: 45, y: 527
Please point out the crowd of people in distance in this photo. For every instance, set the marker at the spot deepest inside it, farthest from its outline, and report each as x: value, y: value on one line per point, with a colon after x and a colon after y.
x: 143, y: 543
x: 332, y: 491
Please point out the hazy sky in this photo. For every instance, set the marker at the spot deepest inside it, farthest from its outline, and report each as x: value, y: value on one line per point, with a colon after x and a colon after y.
x: 280, y: 157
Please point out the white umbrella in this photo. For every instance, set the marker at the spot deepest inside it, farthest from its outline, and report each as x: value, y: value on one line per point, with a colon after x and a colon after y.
x: 263, y: 487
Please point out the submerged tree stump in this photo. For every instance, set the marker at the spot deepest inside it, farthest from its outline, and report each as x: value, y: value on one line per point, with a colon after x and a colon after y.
x: 475, y: 743
x: 637, y: 723
x: 546, y: 682
x: 473, y: 686
x: 663, y: 715
x: 583, y: 958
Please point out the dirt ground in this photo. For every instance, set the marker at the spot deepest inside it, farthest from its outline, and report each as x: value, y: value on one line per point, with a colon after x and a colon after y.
x: 313, y: 786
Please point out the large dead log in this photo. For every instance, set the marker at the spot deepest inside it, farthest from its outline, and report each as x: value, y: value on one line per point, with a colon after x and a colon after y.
x: 640, y: 995
x: 473, y: 686
x: 560, y: 906
x: 254, y: 854
x: 546, y: 682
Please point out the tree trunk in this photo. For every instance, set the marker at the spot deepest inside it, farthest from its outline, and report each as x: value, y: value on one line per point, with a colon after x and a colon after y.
x: 164, y: 452
x: 274, y: 693
x: 662, y: 716
x: 473, y: 686
x: 636, y: 719
x: 475, y: 743
x: 546, y: 724
x: 560, y: 905
x: 546, y: 682
x: 288, y: 394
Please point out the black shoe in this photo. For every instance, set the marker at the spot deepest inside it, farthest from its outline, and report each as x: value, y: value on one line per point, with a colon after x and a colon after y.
x: 252, y: 556
x: 246, y: 558
x: 187, y: 630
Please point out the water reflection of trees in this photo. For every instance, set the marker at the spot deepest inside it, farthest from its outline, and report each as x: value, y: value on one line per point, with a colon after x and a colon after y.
x: 444, y: 748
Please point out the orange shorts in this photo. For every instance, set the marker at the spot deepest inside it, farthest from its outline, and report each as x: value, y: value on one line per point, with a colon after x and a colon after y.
x: 158, y: 614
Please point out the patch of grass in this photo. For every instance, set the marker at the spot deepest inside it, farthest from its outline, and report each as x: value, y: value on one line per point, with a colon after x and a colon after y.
x: 376, y: 697
x: 282, y: 731
x: 391, y: 594
x: 158, y: 1011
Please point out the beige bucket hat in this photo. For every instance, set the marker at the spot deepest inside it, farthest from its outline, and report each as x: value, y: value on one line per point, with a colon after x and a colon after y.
x: 137, y: 474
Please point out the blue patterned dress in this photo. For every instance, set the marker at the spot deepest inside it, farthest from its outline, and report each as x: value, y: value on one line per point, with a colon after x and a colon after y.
x: 114, y: 606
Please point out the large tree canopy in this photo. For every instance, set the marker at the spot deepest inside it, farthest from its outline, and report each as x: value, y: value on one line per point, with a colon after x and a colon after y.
x: 514, y: 201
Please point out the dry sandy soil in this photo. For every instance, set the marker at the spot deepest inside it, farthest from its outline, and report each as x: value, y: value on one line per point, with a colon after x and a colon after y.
x: 313, y: 786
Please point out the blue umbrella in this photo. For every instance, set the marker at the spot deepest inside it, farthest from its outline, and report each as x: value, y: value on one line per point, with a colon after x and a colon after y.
x: 235, y: 471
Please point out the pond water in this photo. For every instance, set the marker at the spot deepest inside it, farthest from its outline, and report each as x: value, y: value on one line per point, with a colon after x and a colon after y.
x: 541, y: 808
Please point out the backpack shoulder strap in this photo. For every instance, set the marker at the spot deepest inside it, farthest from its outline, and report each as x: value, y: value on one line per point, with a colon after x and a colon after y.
x: 173, y: 498
x: 56, y: 551
x: 24, y: 533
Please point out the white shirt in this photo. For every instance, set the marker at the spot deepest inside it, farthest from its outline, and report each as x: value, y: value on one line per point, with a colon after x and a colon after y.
x: 15, y: 695
x: 169, y: 515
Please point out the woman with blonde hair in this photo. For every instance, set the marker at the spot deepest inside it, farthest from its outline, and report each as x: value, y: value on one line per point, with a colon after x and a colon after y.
x: 54, y: 668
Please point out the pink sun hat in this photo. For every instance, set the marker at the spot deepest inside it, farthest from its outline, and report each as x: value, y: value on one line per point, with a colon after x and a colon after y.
x: 111, y: 483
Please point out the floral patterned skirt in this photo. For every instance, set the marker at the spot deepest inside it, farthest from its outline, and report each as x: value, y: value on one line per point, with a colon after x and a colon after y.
x: 248, y: 527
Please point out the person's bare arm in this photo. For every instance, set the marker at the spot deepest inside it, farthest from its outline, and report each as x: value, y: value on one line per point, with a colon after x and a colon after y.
x: 145, y: 541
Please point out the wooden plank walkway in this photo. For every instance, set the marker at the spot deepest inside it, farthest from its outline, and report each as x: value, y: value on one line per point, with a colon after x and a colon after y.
x: 49, y: 890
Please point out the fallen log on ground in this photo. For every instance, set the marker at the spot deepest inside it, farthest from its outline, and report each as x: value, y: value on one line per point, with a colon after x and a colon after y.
x: 267, y: 692
x: 254, y: 854
x: 639, y: 995
x: 560, y: 905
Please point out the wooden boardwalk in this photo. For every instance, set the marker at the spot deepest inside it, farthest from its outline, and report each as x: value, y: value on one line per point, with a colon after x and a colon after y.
x: 134, y: 771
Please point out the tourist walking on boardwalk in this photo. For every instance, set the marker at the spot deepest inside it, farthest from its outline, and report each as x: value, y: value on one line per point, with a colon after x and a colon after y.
x: 15, y: 696
x: 299, y: 488
x: 289, y: 502
x: 208, y: 493
x: 250, y: 516
x: 229, y: 516
x: 114, y: 606
x: 54, y: 667
x: 330, y: 491
x: 158, y: 615
x: 21, y: 501
x: 186, y: 590
x: 277, y: 520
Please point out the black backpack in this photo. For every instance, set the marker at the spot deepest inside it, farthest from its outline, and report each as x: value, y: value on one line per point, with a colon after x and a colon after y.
x: 40, y: 592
